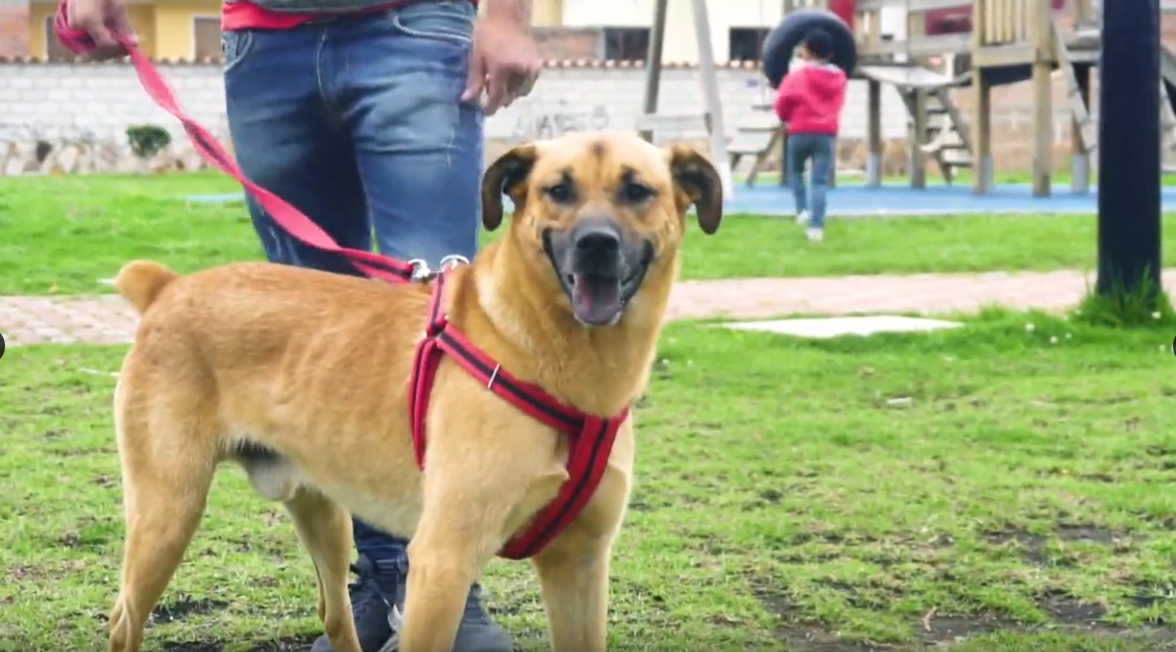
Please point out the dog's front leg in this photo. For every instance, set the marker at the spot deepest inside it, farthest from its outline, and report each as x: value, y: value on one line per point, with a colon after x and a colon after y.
x: 445, y: 557
x: 574, y: 581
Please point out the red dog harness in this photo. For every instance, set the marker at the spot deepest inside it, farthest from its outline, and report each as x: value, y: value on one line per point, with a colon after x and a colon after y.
x: 590, y: 438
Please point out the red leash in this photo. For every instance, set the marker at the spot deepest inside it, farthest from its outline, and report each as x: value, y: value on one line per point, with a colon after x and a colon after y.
x: 590, y: 438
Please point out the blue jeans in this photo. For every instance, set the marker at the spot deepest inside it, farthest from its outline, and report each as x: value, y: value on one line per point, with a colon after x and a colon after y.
x: 358, y: 123
x: 819, y: 149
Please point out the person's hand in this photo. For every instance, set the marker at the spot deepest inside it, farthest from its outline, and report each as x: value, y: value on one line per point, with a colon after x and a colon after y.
x: 503, y: 63
x: 102, y: 20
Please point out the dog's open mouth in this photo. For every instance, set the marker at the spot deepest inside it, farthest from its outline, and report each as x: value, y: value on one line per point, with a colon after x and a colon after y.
x: 599, y: 300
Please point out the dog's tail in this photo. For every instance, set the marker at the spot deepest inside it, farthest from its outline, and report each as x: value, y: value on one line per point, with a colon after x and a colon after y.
x: 141, y: 281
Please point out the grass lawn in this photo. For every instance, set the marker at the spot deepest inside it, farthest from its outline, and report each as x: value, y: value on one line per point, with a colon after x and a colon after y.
x: 999, y: 488
x: 62, y: 234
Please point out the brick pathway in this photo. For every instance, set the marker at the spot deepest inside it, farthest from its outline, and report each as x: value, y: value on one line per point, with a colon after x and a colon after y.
x: 108, y: 320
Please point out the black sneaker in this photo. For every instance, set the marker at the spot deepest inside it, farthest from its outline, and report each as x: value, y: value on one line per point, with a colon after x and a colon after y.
x: 369, y: 608
x: 478, y: 632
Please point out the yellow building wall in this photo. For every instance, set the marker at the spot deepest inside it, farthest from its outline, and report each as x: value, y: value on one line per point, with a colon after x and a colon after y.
x: 38, y: 14
x: 544, y: 13
x: 165, y: 26
x: 173, y: 26
x: 547, y: 13
x: 141, y: 15
x: 164, y: 29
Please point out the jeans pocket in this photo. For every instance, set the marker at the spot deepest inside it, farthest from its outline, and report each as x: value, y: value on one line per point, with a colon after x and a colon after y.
x: 450, y: 21
x: 236, y: 46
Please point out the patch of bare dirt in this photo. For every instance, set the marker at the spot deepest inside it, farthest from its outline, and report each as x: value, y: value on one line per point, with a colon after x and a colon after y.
x: 299, y: 643
x: 806, y: 637
x: 1033, y: 547
x: 1147, y: 595
x: 944, y: 630
x: 1066, y: 609
x: 947, y: 629
x: 184, y: 606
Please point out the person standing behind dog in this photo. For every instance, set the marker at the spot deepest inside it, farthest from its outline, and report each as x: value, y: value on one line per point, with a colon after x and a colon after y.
x: 809, y: 101
x: 365, y: 114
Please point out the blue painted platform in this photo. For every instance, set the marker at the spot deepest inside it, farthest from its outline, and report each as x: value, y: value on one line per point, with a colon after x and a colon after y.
x: 855, y: 200
x: 232, y: 198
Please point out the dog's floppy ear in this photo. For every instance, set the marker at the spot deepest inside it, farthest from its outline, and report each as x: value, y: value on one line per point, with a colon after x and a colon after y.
x: 506, y: 176
x: 695, y: 177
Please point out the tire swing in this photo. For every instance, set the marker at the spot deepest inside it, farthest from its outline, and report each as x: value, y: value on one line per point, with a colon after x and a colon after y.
x: 784, y: 38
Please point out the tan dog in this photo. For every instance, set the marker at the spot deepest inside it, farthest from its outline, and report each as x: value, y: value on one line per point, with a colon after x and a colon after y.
x: 301, y: 376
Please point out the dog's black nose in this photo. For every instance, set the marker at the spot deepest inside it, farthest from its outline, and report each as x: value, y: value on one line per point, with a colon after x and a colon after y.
x: 597, y: 238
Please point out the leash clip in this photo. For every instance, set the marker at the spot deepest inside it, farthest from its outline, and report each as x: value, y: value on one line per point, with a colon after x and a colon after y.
x: 420, y: 270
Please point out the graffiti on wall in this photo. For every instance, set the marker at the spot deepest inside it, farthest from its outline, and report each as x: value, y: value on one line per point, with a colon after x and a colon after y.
x: 551, y: 122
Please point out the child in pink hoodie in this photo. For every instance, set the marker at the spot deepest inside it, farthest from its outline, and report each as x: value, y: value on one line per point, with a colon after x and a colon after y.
x: 809, y: 102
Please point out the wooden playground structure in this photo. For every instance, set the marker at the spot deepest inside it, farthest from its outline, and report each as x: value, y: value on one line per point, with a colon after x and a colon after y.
x: 1000, y: 42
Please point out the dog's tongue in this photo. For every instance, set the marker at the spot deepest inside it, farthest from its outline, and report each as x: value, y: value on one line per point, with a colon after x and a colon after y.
x: 596, y: 299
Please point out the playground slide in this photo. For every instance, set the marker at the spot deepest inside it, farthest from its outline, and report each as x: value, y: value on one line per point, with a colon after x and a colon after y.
x: 1168, y: 72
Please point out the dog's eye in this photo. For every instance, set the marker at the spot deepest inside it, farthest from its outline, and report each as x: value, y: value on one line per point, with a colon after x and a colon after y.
x: 635, y: 193
x: 560, y: 193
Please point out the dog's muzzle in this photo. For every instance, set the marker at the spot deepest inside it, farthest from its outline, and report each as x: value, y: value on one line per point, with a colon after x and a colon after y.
x: 599, y: 268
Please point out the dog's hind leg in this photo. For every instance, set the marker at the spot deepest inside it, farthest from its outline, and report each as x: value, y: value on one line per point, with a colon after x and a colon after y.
x: 166, y: 478
x: 325, y: 530
x: 574, y: 583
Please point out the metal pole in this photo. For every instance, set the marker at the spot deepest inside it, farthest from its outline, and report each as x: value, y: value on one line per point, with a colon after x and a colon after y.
x: 1128, y: 159
x: 710, y: 91
x: 653, y: 62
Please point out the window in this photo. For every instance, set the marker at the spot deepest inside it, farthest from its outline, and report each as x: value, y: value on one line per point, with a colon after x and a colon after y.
x: 54, y: 51
x: 746, y: 43
x: 206, y: 38
x: 626, y: 43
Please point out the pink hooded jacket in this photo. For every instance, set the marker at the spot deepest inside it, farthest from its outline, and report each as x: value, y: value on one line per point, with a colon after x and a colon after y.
x: 810, y: 99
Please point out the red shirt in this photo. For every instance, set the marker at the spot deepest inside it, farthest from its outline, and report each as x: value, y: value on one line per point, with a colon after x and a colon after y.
x: 246, y: 15
x: 810, y: 99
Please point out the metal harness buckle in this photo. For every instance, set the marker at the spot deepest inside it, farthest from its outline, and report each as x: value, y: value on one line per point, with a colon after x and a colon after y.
x: 422, y: 273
